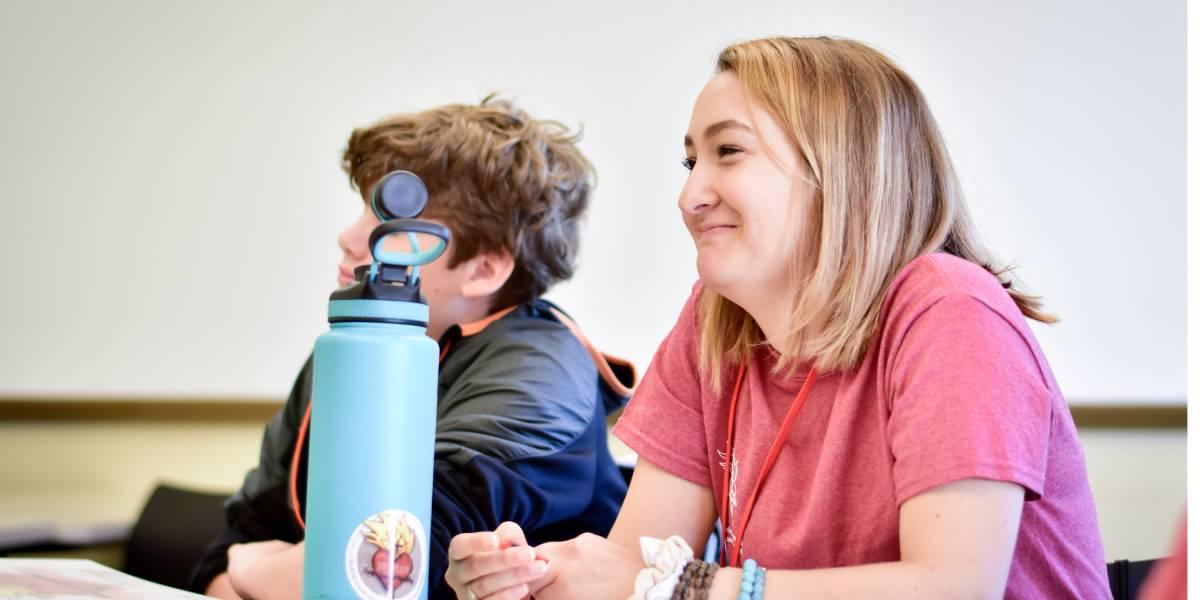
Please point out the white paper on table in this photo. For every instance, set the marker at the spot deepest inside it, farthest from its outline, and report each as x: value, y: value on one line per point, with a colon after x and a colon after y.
x: 76, y: 579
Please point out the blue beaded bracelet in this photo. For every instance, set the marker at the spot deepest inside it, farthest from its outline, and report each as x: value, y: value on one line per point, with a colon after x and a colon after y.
x: 754, y: 580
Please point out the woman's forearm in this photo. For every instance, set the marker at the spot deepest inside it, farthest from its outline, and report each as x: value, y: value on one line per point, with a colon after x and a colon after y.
x: 895, y: 580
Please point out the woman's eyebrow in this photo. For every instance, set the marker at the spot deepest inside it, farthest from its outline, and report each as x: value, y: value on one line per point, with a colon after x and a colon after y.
x: 716, y: 128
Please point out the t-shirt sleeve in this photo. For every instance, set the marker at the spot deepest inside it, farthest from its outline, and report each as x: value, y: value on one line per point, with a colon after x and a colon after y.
x: 969, y: 399
x: 664, y: 422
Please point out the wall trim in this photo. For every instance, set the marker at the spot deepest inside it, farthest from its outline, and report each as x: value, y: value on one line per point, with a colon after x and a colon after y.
x: 225, y: 410
x: 260, y: 410
x: 1130, y: 416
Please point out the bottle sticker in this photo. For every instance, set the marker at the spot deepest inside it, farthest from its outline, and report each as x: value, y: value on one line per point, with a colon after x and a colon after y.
x: 385, y: 557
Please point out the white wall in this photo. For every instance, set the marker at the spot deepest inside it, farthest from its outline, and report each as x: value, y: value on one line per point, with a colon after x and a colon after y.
x: 170, y: 191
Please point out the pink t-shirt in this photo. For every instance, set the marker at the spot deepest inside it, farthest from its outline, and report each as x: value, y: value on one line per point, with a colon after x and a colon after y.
x: 954, y: 387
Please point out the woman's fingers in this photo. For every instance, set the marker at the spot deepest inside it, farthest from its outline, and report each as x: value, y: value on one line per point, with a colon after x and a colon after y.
x: 494, y: 565
x: 464, y: 545
x: 484, y: 564
x: 517, y: 592
x: 504, y: 583
x: 507, y: 534
x: 511, y: 535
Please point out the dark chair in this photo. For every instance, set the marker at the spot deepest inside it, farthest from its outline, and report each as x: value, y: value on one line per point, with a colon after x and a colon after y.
x: 1125, y: 577
x: 171, y: 533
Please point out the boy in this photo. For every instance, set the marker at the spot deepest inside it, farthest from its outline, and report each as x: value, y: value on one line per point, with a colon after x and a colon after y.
x: 521, y: 432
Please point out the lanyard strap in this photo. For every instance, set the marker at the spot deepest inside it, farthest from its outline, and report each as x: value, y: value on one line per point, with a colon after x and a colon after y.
x: 294, y: 472
x: 734, y: 554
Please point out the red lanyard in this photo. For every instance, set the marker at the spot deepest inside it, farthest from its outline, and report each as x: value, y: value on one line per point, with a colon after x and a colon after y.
x: 734, y: 554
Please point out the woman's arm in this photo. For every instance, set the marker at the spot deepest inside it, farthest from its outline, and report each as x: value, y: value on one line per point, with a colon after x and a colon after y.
x: 956, y: 541
x: 660, y: 505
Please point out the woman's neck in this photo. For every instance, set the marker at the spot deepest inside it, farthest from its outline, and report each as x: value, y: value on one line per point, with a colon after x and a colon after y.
x: 775, y: 316
x: 775, y: 322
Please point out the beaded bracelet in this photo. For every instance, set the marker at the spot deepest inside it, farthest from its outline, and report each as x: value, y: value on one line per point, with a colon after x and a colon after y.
x: 705, y: 582
x: 685, y: 581
x: 695, y: 581
x: 754, y: 580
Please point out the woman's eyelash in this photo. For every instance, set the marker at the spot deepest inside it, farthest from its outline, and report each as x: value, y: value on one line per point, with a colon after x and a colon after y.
x: 722, y: 151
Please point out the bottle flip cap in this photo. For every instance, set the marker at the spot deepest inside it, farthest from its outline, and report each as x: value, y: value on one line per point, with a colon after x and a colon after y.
x: 399, y: 195
x: 397, y: 199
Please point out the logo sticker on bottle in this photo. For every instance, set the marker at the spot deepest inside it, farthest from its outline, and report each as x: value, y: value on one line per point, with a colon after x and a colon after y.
x: 385, y: 557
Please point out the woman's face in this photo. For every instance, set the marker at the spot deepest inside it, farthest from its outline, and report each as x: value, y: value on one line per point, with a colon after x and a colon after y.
x: 741, y: 197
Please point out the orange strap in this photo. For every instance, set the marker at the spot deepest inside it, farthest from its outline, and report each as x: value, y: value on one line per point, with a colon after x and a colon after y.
x: 734, y: 553
x: 602, y: 360
x: 294, y: 496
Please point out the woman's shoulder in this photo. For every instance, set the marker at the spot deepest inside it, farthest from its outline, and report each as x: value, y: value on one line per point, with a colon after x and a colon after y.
x: 944, y: 304
x: 936, y: 276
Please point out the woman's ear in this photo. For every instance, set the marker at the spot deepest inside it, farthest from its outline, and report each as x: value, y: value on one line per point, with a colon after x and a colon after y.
x: 487, y: 273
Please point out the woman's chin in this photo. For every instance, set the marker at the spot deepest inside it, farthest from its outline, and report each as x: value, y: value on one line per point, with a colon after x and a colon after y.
x: 715, y: 276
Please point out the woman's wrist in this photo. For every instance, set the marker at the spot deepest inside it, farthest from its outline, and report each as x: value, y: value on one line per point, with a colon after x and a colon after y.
x: 754, y: 581
x: 726, y: 584
x: 668, y: 562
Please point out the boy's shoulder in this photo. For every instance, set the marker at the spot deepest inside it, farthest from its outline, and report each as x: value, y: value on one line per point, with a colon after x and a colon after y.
x: 532, y: 330
x: 528, y: 346
x: 520, y: 387
x: 538, y: 344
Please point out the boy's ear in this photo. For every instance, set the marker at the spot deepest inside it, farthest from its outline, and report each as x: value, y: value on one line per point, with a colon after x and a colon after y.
x: 487, y: 273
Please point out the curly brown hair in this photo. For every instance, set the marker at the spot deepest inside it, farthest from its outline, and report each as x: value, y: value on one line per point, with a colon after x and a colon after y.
x: 498, y: 178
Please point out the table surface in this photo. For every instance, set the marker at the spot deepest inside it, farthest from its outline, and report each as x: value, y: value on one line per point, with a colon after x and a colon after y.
x: 68, y: 579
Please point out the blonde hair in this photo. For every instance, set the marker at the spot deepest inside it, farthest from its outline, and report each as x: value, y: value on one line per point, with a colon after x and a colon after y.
x: 886, y: 193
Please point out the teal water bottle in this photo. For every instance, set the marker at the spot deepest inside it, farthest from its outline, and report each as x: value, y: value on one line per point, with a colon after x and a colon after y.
x: 374, y: 407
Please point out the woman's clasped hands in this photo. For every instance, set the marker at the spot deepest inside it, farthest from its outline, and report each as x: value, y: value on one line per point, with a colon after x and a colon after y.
x: 501, y: 565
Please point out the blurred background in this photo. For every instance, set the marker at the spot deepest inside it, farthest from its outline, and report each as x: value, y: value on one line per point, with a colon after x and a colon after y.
x: 170, y: 195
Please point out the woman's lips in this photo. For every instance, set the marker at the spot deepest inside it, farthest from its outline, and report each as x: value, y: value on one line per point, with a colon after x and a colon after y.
x: 711, y: 230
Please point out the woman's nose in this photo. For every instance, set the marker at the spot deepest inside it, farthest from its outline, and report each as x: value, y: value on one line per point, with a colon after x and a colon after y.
x: 697, y: 194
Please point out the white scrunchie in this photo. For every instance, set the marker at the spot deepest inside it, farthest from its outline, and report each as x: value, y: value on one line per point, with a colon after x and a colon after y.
x: 665, y: 561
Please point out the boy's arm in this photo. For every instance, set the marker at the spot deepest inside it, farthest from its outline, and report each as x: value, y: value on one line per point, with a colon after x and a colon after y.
x: 220, y: 587
x: 518, y: 436
x: 260, y: 509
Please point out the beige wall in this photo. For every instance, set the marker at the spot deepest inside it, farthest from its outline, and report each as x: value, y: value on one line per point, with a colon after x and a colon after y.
x: 82, y: 471
x: 1139, y: 478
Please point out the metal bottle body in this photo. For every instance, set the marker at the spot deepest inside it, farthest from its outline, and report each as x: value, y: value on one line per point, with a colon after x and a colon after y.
x: 371, y: 460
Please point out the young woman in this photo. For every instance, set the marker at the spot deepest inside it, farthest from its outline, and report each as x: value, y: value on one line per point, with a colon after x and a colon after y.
x: 852, y: 389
